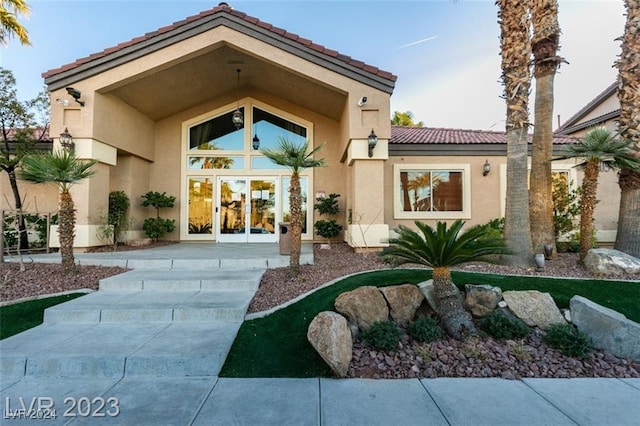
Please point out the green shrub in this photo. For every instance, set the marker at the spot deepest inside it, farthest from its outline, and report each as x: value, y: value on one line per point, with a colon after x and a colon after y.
x: 156, y: 227
x: 568, y: 340
x: 500, y: 326
x: 492, y: 229
x: 382, y: 335
x: 117, y: 216
x: 327, y: 228
x: 424, y: 329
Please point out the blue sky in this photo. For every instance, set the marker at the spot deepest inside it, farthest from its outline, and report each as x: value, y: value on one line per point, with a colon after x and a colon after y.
x: 450, y: 80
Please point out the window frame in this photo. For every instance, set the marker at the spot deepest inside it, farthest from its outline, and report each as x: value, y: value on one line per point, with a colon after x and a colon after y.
x: 464, y: 168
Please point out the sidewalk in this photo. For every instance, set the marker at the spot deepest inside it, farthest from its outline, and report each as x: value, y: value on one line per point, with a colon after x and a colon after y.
x: 223, y: 401
x: 148, y: 347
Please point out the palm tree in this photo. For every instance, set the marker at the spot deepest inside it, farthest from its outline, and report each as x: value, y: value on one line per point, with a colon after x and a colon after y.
x: 628, y: 237
x: 296, y: 158
x: 9, y: 25
x: 514, y: 20
x: 440, y: 249
x: 544, y: 44
x: 63, y: 168
x: 599, y: 146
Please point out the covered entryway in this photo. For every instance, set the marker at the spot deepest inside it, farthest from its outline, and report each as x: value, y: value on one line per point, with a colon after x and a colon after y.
x: 247, y: 208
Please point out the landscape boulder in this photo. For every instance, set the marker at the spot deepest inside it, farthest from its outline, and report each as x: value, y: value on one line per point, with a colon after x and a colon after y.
x: 481, y: 299
x: 607, y: 329
x: 329, y: 335
x: 426, y: 288
x: 363, y: 306
x: 611, y: 262
x: 534, y: 308
x: 404, y: 300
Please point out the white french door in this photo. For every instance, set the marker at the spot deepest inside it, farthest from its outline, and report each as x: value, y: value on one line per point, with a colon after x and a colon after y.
x: 246, y: 209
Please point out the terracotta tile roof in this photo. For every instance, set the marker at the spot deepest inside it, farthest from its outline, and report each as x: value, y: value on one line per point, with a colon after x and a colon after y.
x: 430, y: 135
x: 224, y: 8
x: 38, y: 134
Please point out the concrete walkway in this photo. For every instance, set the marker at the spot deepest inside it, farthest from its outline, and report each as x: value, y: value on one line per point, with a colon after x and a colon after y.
x: 148, y: 347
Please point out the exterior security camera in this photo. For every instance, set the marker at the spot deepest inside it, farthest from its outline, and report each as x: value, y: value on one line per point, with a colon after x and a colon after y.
x: 362, y: 101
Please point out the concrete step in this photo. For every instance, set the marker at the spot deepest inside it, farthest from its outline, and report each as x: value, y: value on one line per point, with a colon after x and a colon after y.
x: 182, y: 280
x: 115, y: 350
x: 152, y: 307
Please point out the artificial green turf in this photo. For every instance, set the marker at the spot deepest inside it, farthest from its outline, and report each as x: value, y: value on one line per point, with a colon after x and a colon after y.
x: 17, y: 318
x: 277, y: 346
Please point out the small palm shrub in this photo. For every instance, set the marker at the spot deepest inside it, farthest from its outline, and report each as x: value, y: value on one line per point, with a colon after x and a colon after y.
x: 568, y: 340
x: 424, y: 329
x: 382, y: 335
x: 500, y: 326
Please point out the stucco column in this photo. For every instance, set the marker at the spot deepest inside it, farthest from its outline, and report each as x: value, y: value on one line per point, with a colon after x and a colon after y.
x: 367, y: 229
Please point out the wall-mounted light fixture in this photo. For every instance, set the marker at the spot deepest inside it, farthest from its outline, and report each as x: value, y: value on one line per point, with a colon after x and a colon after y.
x: 373, y: 141
x: 237, y: 118
x: 66, y: 140
x: 256, y: 142
x: 486, y: 168
x: 75, y: 94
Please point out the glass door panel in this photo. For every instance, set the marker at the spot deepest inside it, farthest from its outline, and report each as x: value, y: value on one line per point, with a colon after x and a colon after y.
x: 263, y: 210
x: 243, y: 201
x: 200, y: 206
x: 232, y: 196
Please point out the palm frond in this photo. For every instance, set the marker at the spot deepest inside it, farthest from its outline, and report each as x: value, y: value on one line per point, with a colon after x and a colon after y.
x: 442, y: 246
x: 294, y: 156
x: 60, y: 167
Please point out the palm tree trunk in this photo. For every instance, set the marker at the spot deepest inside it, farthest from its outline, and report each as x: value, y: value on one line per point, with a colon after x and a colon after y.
x: 628, y: 237
x: 295, y: 204
x: 456, y: 320
x: 544, y: 45
x: 540, y: 185
x: 66, y: 225
x: 515, y: 47
x: 588, y: 202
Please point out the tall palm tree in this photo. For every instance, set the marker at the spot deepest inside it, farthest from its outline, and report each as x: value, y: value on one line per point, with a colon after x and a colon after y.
x: 296, y: 158
x: 544, y: 44
x: 9, y: 25
x: 628, y: 237
x: 440, y: 249
x: 513, y: 16
x: 599, y: 146
x: 64, y: 169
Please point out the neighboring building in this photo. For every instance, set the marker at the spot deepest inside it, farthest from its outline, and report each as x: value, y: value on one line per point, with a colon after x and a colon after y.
x: 158, y: 113
x: 603, y: 110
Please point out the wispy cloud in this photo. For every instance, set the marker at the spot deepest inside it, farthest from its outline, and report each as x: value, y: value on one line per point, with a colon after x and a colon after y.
x: 418, y: 42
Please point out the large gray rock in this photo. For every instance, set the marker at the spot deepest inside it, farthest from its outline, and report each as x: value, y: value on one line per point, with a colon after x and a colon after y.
x: 608, y: 329
x: 404, y: 300
x: 481, y: 299
x: 611, y: 262
x: 534, y: 308
x: 329, y: 335
x: 363, y: 306
x: 426, y: 288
